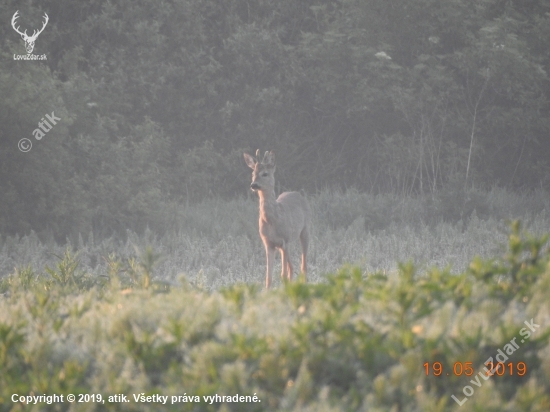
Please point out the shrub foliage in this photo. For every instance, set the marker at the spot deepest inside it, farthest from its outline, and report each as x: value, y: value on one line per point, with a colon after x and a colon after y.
x: 358, y: 341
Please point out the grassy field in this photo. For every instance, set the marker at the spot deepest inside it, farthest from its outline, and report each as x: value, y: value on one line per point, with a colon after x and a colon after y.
x: 216, y: 243
x: 181, y: 318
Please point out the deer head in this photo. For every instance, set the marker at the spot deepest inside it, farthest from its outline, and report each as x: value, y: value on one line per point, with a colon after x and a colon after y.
x: 262, y: 171
x: 29, y: 40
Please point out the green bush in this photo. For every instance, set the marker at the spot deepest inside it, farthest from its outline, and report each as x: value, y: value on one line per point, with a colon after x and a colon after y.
x: 359, y: 341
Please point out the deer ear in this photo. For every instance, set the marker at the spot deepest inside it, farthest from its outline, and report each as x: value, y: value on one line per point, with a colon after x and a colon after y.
x: 269, y: 158
x: 250, y: 161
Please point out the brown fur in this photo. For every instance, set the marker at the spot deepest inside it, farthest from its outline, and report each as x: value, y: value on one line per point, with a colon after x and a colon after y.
x: 281, y: 220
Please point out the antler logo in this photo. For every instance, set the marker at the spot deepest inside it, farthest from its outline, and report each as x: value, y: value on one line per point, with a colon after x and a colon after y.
x: 29, y: 40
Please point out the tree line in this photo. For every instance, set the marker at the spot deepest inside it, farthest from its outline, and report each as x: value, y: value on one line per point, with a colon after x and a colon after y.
x: 158, y: 99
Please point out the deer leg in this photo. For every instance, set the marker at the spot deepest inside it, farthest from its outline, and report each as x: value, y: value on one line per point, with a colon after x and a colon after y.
x: 286, y: 269
x: 304, y: 240
x: 284, y: 264
x: 270, y: 257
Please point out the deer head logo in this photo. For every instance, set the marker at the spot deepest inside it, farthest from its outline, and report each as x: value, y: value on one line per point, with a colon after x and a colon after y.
x: 29, y: 40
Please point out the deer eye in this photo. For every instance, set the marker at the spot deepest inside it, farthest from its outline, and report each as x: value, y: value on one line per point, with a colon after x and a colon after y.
x: 264, y: 174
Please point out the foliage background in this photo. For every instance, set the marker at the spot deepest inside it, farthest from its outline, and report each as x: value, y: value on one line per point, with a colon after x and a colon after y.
x: 158, y: 99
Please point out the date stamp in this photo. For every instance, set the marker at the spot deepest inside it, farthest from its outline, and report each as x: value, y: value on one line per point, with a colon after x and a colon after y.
x: 491, y: 368
x: 466, y: 369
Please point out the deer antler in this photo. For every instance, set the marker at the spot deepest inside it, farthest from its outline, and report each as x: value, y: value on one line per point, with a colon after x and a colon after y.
x: 15, y: 17
x: 36, y: 33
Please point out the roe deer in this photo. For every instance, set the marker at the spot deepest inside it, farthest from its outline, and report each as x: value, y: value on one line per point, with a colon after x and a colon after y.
x: 281, y: 220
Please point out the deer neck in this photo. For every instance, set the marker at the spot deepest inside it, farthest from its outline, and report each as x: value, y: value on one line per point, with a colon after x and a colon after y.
x: 268, y: 206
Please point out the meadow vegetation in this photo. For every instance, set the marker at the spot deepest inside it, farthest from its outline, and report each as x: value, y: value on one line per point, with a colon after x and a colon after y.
x: 184, y: 313
x: 216, y: 242
x: 130, y: 260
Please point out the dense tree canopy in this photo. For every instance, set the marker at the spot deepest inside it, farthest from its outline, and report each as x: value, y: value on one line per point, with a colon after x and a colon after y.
x: 159, y: 98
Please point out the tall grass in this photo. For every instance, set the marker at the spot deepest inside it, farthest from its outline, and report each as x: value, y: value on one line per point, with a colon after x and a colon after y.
x: 216, y: 243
